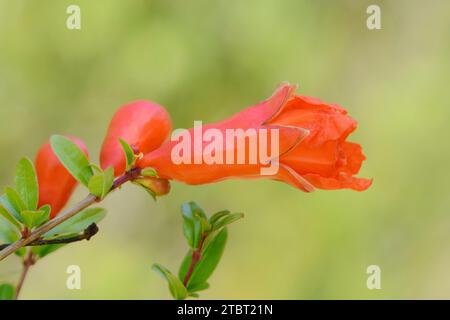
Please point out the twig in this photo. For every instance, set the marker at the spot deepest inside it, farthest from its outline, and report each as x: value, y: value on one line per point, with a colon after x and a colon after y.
x: 66, y: 214
x: 87, y: 234
x: 27, y: 263
x: 196, y: 256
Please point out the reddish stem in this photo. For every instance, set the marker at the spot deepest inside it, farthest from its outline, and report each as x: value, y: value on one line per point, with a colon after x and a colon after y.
x: 196, y: 256
x: 27, y: 263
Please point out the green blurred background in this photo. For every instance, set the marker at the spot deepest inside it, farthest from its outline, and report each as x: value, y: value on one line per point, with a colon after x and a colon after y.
x: 205, y: 60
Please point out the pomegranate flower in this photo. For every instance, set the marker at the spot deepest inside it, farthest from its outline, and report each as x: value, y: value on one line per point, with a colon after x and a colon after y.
x: 313, y: 151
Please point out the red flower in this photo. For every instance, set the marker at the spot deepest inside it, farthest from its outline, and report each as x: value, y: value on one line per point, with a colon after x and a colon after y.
x: 313, y: 149
x: 56, y: 184
x: 143, y: 125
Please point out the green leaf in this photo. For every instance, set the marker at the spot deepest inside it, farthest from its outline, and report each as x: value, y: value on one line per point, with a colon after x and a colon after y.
x: 72, y: 157
x: 27, y: 184
x: 34, y: 218
x: 8, y: 217
x: 78, y: 223
x: 197, y: 233
x: 198, y: 287
x: 42, y: 251
x: 129, y: 154
x: 101, y: 183
x: 216, y: 216
x: 210, y: 259
x: 46, y: 208
x: 15, y: 201
x: 10, y: 235
x: 7, y: 233
x: 96, y: 168
x: 184, y: 267
x: 176, y: 287
x: 188, y: 231
x: 21, y: 252
x: 7, y: 205
x: 149, y: 172
x: 194, y: 223
x: 7, y: 292
x: 226, y: 220
x: 192, y: 209
x: 141, y: 183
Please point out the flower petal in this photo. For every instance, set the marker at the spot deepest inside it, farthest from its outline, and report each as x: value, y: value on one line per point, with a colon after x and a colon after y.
x: 343, y: 181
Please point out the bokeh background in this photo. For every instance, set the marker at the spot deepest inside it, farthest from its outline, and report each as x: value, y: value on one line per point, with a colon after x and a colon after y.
x: 205, y: 60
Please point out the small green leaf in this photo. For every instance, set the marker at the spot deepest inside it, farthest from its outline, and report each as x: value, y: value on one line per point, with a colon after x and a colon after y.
x: 176, y: 287
x: 78, y: 223
x: 191, y: 209
x: 8, y: 217
x: 21, y: 252
x: 184, y: 267
x: 109, y: 178
x: 143, y: 183
x: 96, y: 185
x: 27, y: 184
x: 188, y: 230
x: 101, y: 183
x: 129, y: 154
x: 46, y: 208
x: 14, y: 200
x: 10, y: 235
x: 195, y: 223
x: 33, y: 219
x: 210, y: 259
x: 42, y: 251
x: 7, y: 233
x: 149, y: 172
x: 96, y: 168
x: 7, y: 205
x: 7, y: 292
x: 197, y: 232
x: 216, y: 216
x: 198, y: 287
x: 72, y: 157
x: 226, y: 220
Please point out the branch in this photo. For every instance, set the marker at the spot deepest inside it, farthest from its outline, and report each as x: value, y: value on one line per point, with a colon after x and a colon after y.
x: 65, y: 215
x: 87, y: 234
x: 196, y: 256
x: 27, y: 263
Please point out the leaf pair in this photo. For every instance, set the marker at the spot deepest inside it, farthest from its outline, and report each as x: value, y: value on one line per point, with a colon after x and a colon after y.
x: 195, y: 223
x: 101, y: 183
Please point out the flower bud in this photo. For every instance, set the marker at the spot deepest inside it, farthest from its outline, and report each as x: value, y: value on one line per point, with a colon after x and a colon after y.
x: 156, y: 186
x: 143, y: 125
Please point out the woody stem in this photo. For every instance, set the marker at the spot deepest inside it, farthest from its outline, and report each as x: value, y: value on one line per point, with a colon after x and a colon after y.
x: 27, y: 263
x: 65, y: 215
x: 87, y: 234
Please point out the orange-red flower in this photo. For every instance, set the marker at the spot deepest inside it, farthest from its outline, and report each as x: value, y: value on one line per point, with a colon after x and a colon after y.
x: 142, y: 124
x: 313, y: 150
x: 56, y: 184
